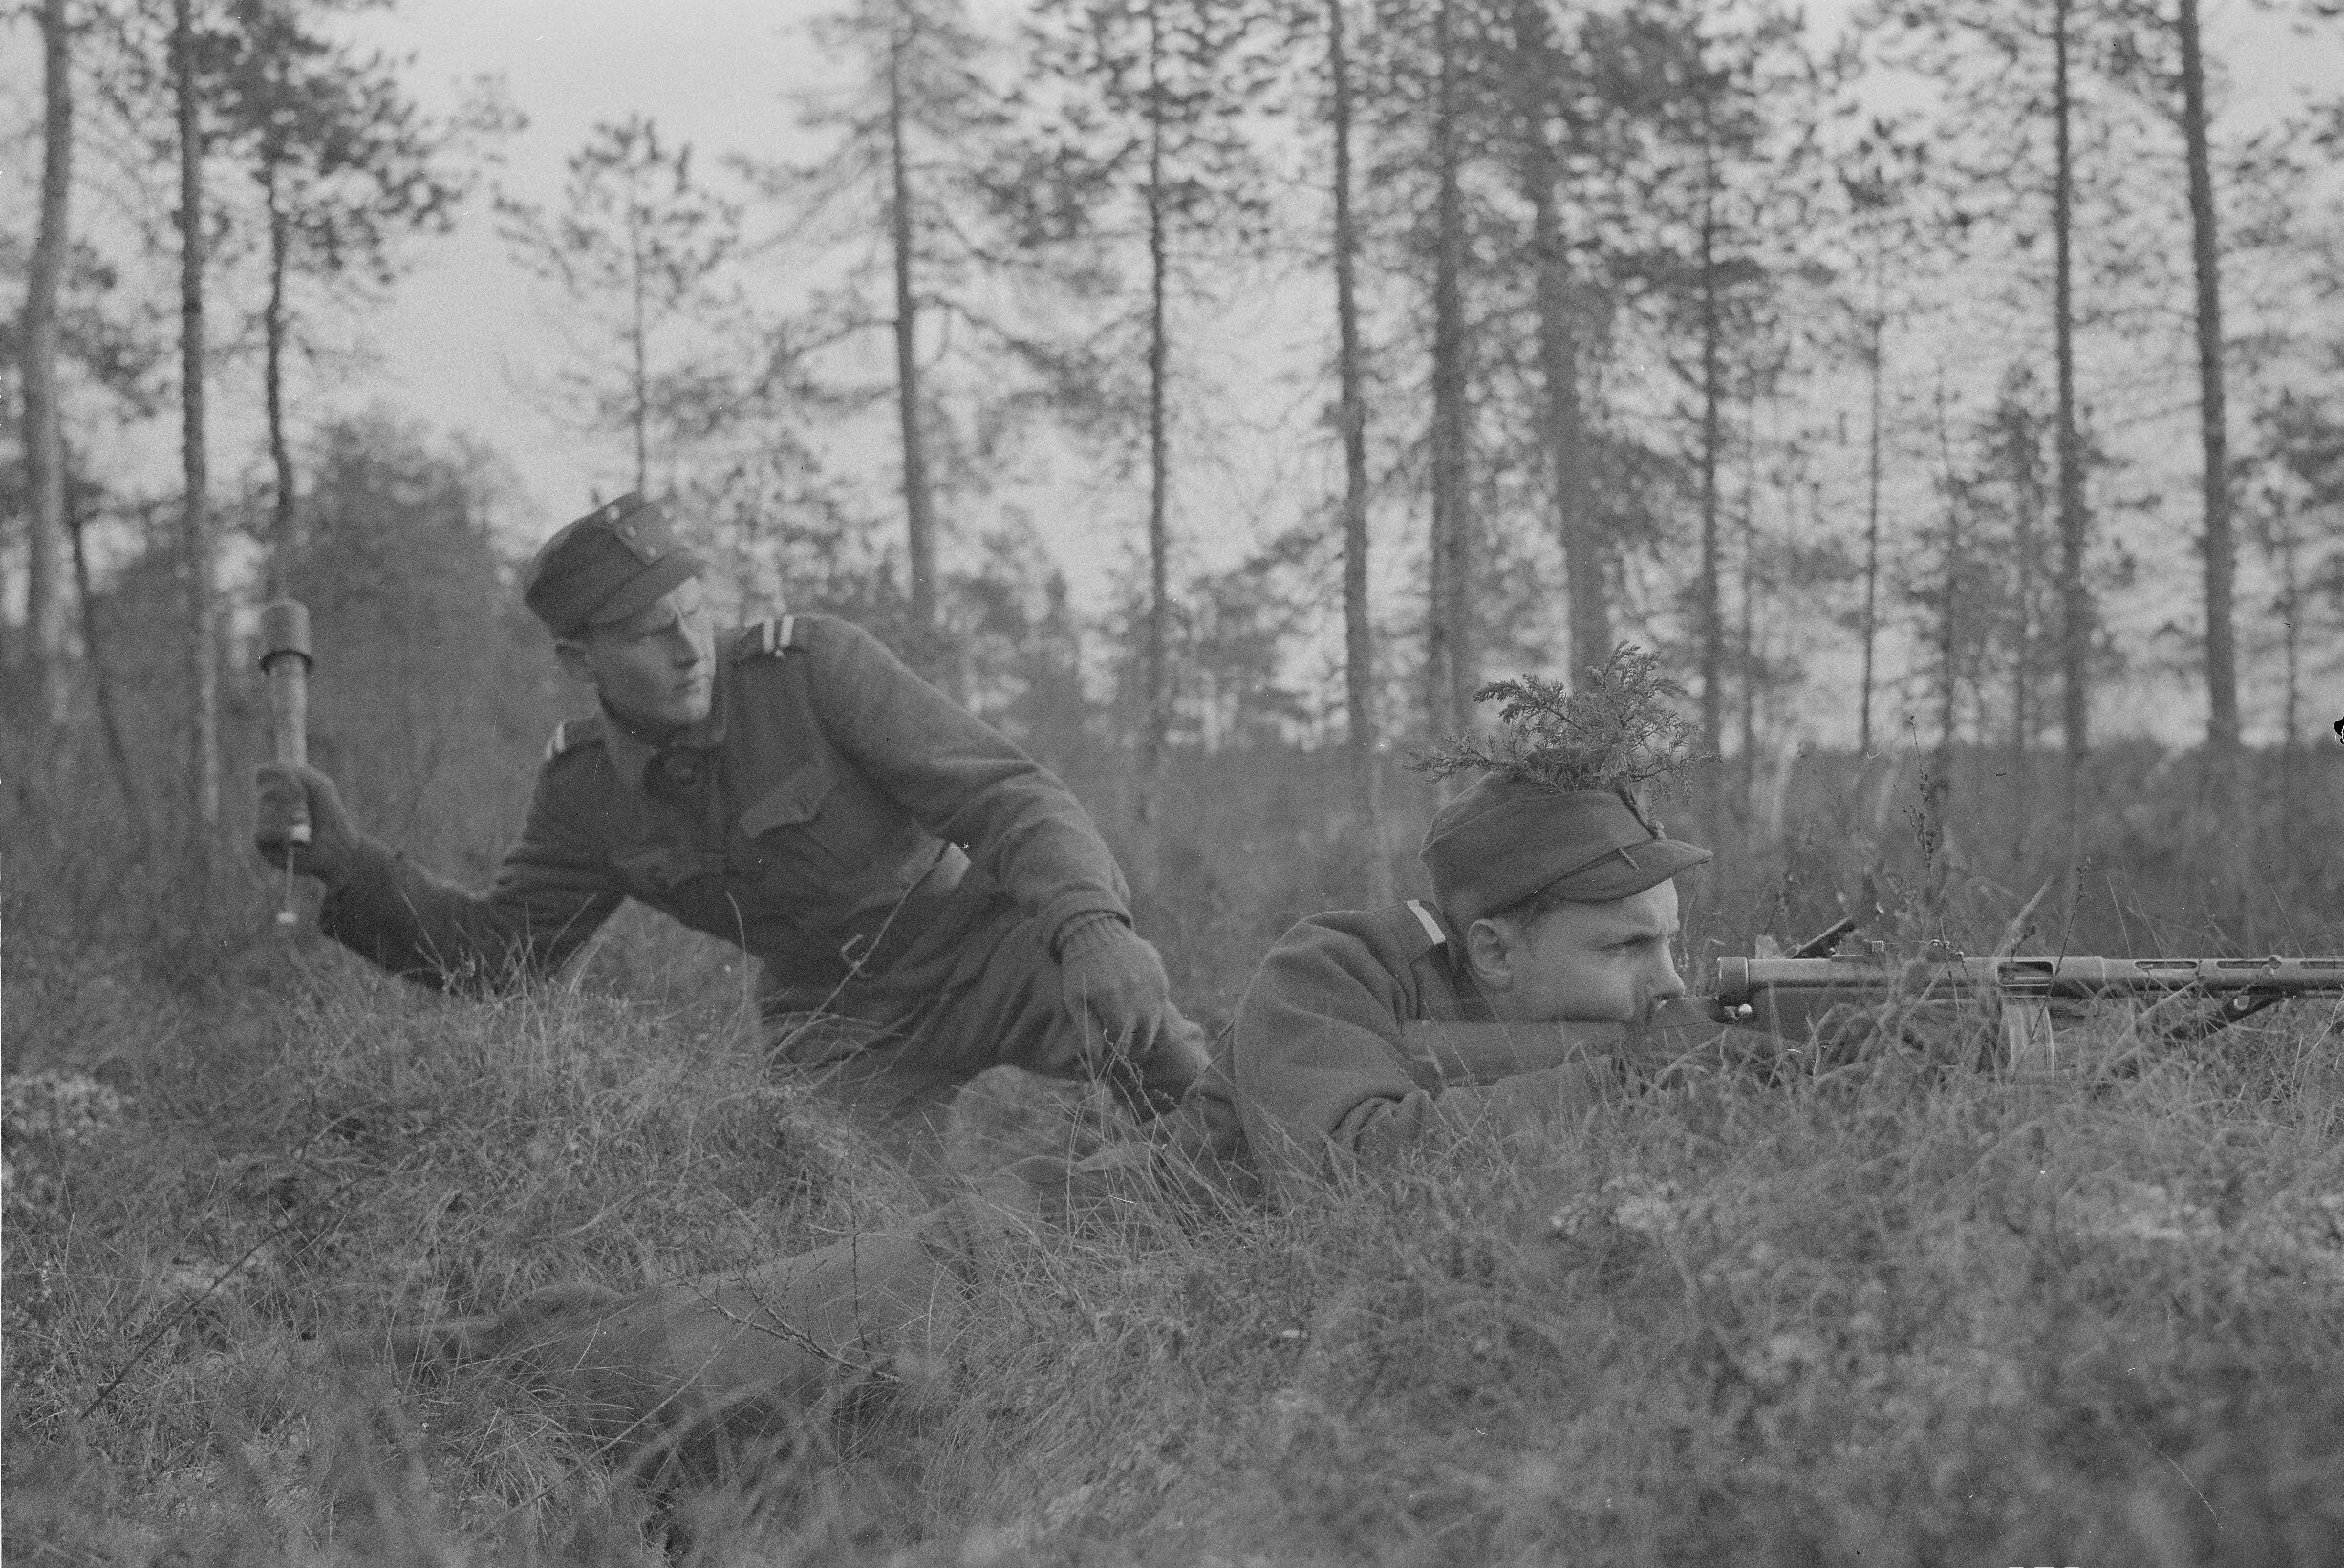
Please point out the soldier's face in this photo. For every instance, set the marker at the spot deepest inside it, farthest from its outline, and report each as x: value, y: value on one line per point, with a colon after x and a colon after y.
x: 1581, y: 962
x: 656, y: 668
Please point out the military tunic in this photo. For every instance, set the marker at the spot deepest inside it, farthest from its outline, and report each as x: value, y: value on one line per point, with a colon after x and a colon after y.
x: 1322, y: 1068
x: 888, y: 855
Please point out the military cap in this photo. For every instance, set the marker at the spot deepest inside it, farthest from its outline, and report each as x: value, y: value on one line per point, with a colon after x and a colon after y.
x: 610, y: 564
x: 1506, y: 839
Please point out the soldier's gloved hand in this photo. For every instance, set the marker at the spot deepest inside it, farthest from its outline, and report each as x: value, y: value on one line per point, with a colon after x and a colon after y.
x: 1115, y: 981
x: 287, y: 795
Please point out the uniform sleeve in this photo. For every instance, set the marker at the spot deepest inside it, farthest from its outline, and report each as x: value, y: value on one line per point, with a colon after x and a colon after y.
x: 1318, y: 1066
x: 552, y: 892
x: 962, y: 779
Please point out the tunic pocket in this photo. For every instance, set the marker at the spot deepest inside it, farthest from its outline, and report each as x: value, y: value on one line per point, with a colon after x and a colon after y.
x: 793, y: 803
x: 831, y: 823
x: 661, y: 869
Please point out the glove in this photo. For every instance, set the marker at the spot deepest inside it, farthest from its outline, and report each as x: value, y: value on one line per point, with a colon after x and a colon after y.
x: 287, y: 795
x: 1114, y: 983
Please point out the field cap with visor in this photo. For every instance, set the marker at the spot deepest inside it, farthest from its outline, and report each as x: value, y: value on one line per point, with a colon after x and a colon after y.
x: 1505, y: 839
x: 615, y: 562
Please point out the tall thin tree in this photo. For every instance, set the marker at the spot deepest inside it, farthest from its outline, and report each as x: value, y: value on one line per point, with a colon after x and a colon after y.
x: 1142, y: 141
x: 639, y: 246
x: 1710, y: 611
x: 202, y: 603
x: 1537, y: 73
x: 2217, y: 542
x: 1450, y: 661
x: 1358, y: 629
x: 1158, y: 652
x: 918, y: 503
x: 344, y: 162
x: 44, y: 439
x: 1876, y: 333
x: 2075, y: 597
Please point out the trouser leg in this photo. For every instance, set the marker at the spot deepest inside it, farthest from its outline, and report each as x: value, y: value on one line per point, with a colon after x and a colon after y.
x: 1013, y: 1013
x: 1008, y: 1010
x: 687, y: 1377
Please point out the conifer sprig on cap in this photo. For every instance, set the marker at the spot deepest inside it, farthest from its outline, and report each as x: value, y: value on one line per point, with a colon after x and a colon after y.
x: 1617, y: 731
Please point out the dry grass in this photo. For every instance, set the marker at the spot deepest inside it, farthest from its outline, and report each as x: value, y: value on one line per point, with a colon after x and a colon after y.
x: 1883, y: 1315
x: 1888, y: 1313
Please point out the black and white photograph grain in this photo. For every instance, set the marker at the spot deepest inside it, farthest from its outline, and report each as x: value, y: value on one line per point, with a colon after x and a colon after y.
x: 1172, y: 783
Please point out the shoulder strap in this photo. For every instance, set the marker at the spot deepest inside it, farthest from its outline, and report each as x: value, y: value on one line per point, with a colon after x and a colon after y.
x: 572, y: 733
x: 769, y: 638
x: 1412, y: 927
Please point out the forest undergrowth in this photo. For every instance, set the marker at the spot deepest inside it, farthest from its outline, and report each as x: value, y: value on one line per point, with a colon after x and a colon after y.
x: 1887, y: 1313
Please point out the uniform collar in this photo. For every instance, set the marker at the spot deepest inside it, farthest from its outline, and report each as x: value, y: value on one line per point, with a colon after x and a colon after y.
x: 633, y: 748
x: 1438, y: 957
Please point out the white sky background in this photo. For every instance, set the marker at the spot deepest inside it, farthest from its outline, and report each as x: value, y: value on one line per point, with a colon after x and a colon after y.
x: 466, y: 326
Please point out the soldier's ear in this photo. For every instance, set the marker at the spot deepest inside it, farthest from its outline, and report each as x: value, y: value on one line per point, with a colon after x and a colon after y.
x: 572, y: 657
x: 1489, y: 949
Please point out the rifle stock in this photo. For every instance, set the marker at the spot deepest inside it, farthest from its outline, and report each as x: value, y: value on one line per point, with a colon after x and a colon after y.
x: 1448, y: 1056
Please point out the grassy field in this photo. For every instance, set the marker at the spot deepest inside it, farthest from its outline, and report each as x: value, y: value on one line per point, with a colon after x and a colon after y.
x: 1887, y: 1315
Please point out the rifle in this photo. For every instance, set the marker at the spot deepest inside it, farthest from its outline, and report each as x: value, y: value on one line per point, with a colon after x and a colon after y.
x: 1448, y: 1056
x: 1788, y: 996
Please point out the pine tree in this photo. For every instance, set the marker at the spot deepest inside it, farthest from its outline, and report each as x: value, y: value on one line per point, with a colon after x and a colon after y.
x: 197, y: 550
x: 1135, y: 141
x: 637, y: 245
x: 345, y: 165
x: 1358, y: 625
x: 914, y: 137
x: 44, y: 441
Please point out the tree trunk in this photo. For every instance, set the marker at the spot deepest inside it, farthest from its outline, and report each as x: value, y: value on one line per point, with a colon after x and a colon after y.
x: 1746, y: 631
x: 2026, y: 490
x: 1712, y: 440
x: 2290, y: 620
x: 1449, y: 658
x: 2075, y: 600
x: 109, y: 711
x: 2220, y: 547
x: 1357, y: 631
x: 1937, y: 795
x: 1564, y: 429
x: 202, y: 652
x: 1158, y: 721
x: 281, y: 539
x: 639, y: 343
x: 2290, y: 598
x: 1872, y: 512
x: 919, y: 521
x: 43, y: 428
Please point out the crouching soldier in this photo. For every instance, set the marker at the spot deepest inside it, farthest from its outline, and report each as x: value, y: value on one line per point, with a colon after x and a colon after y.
x: 792, y: 788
